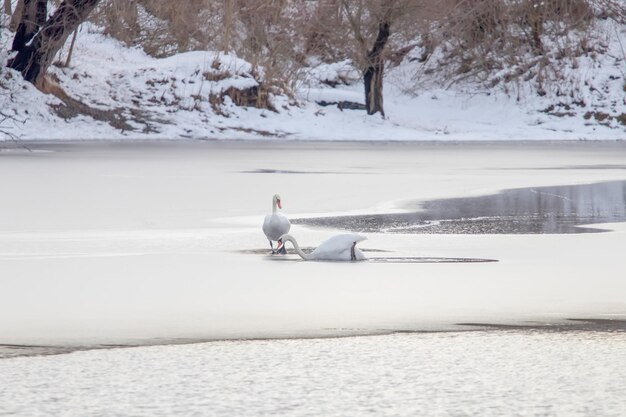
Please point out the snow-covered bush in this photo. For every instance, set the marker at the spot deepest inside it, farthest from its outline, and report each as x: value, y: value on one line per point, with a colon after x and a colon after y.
x: 496, y: 42
x: 564, y: 55
x: 261, y: 32
x: 196, y: 80
x: 333, y: 74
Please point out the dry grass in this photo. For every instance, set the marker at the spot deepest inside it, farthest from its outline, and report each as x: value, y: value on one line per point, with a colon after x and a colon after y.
x: 490, y: 41
x: 507, y: 43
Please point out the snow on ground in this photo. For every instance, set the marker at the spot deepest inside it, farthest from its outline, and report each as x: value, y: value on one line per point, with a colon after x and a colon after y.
x: 486, y: 374
x: 133, y: 95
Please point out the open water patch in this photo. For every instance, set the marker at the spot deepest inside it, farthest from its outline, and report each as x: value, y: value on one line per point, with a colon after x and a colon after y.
x: 537, y: 210
x: 393, y: 260
x: 373, y: 255
x: 289, y: 172
x: 569, y: 324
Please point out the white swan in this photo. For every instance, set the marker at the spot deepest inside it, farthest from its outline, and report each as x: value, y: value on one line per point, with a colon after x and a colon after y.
x: 337, y: 248
x: 276, y: 225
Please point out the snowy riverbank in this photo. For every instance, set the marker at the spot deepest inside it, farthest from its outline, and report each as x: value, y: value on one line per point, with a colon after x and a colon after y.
x: 116, y: 92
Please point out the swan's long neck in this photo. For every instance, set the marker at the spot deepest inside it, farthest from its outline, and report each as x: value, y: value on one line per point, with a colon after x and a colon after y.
x: 274, y: 206
x: 303, y: 255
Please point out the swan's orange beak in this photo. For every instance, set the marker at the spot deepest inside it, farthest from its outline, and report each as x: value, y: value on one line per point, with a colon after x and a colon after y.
x: 280, y: 206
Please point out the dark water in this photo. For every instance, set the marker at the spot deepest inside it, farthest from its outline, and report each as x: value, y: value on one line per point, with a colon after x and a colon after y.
x: 373, y: 255
x: 549, y: 210
x: 287, y: 171
x: 399, y: 260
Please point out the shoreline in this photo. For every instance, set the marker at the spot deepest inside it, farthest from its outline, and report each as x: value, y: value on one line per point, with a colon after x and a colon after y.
x: 589, y: 325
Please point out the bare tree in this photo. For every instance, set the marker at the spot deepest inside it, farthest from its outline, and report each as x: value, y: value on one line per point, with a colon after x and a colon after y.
x: 121, y: 19
x: 371, y: 23
x: 229, y: 10
x: 17, y: 15
x: 68, y: 60
x: 269, y: 39
x: 373, y: 74
x: 324, y: 32
x: 33, y: 60
x: 33, y: 15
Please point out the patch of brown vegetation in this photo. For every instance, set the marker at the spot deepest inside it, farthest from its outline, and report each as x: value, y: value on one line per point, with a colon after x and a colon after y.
x: 70, y: 108
x: 118, y: 118
x: 216, y: 76
x: 257, y: 96
x: 605, y: 118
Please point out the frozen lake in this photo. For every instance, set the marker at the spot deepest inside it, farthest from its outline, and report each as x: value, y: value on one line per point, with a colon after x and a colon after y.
x: 159, y: 245
x: 107, y: 242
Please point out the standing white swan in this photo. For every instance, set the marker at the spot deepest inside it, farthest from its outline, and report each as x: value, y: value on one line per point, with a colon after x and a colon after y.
x: 276, y: 225
x: 337, y: 248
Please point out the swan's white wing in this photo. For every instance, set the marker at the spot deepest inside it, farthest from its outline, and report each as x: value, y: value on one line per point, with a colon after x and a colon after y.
x: 266, y: 226
x: 342, y: 241
x: 275, y: 225
x: 359, y: 255
x: 338, y: 247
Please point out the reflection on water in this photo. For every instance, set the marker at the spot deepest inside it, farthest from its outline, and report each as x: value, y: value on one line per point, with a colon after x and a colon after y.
x: 526, y: 210
x: 285, y: 171
x: 370, y: 258
x: 394, y: 260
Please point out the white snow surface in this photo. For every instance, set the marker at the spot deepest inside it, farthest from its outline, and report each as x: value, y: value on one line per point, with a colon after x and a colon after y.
x: 168, y: 98
x: 486, y: 374
x: 114, y: 242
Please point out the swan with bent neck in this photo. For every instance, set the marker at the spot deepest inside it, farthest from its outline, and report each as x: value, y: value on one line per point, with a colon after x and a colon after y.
x: 337, y: 248
x: 275, y: 225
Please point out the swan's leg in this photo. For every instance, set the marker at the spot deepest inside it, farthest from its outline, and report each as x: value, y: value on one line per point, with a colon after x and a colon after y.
x: 272, y: 248
x: 282, y: 250
x: 352, y: 252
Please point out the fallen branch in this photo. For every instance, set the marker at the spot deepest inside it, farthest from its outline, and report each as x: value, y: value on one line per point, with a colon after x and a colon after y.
x: 348, y: 105
x: 12, y: 137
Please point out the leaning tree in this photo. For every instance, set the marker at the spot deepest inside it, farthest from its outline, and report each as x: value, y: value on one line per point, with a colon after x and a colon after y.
x: 48, y: 35
x: 370, y: 23
x: 32, y: 15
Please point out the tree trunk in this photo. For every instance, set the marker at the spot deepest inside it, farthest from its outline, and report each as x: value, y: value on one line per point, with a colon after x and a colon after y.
x: 33, y: 60
x: 536, y: 28
x: 7, y: 8
x: 33, y: 16
x: 373, y: 74
x: 228, y: 24
x: 69, y: 53
x: 17, y: 15
x: 535, y: 20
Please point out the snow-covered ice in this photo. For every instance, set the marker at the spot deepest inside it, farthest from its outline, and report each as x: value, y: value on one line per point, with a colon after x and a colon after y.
x: 113, y: 242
